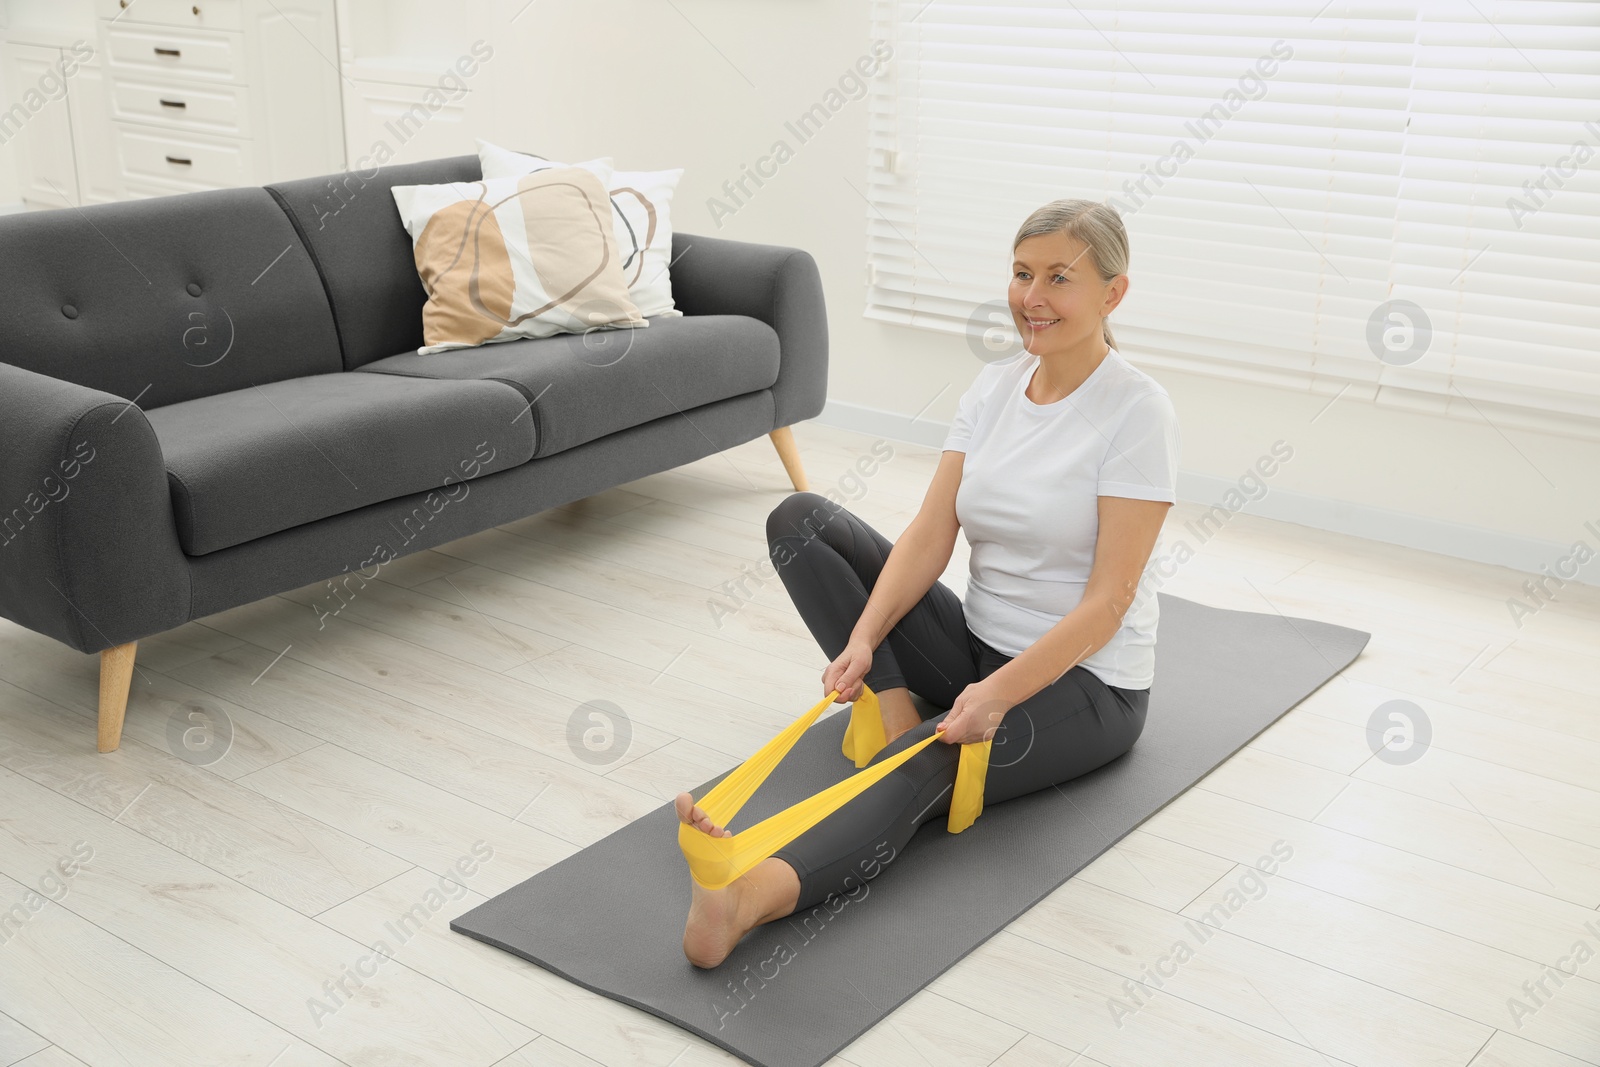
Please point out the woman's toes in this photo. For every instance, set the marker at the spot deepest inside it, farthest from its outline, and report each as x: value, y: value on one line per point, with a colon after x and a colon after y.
x: 690, y: 812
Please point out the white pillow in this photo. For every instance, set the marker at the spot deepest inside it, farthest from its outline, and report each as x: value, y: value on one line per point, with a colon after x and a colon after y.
x: 530, y: 256
x: 642, y: 204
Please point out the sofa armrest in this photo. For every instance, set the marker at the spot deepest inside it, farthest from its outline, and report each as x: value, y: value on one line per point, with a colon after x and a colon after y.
x: 780, y: 286
x: 89, y: 553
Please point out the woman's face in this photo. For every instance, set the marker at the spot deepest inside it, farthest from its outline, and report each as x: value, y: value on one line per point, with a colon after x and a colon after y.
x: 1056, y: 295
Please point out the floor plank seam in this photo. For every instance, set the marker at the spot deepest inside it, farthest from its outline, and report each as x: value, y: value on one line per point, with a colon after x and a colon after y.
x: 1415, y: 855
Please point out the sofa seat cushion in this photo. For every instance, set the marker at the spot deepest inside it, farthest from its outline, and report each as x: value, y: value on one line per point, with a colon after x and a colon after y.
x: 585, y: 386
x: 262, y: 459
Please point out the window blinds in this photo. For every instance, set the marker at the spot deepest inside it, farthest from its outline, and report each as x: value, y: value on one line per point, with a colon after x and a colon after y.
x: 1397, y: 199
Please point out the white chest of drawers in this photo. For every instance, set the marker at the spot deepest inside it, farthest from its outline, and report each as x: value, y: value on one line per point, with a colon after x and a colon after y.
x: 219, y: 93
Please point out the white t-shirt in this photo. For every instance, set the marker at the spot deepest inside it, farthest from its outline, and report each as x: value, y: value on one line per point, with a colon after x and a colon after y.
x: 1028, y: 504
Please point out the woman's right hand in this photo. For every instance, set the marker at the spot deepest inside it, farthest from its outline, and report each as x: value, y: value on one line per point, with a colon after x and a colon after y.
x: 846, y: 672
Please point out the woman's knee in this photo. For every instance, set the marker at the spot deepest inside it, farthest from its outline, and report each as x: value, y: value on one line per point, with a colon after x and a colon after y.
x: 795, y: 512
x: 796, y: 520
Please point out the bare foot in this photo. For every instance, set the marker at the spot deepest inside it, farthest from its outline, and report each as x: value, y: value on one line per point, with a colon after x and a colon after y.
x: 715, y: 922
x: 898, y: 717
x: 892, y: 731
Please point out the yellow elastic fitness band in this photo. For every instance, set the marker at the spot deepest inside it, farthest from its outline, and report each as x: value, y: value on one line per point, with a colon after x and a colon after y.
x: 714, y: 862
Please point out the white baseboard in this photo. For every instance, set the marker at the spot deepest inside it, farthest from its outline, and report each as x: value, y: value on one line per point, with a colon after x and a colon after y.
x: 890, y: 424
x: 1528, y: 554
x: 13, y: 208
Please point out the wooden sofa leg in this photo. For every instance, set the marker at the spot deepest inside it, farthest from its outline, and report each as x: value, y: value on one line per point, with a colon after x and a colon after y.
x: 789, y: 452
x: 116, y: 674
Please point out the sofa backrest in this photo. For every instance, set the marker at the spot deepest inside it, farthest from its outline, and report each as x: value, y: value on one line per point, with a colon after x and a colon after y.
x: 163, y: 299
x: 351, y: 225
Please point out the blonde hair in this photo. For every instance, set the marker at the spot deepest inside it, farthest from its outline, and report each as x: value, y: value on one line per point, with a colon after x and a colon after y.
x: 1096, y: 225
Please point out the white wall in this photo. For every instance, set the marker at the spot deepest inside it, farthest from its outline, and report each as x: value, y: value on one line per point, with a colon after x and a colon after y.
x: 10, y: 198
x: 711, y: 89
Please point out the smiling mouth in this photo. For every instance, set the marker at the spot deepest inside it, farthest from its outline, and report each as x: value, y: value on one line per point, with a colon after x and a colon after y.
x: 1040, y: 324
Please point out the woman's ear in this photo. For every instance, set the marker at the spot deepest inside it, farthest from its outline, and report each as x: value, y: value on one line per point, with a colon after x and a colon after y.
x: 1116, y: 289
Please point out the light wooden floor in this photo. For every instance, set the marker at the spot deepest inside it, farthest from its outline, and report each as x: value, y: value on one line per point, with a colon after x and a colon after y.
x: 431, y: 715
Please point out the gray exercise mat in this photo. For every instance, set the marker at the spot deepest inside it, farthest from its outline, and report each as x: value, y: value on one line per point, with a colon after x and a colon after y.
x: 610, y: 918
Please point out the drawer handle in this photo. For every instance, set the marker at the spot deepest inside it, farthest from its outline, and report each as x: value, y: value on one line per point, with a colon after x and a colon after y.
x: 180, y: 161
x: 174, y: 103
x: 168, y: 52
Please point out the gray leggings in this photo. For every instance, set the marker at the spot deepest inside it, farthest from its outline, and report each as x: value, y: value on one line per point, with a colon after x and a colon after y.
x: 828, y: 559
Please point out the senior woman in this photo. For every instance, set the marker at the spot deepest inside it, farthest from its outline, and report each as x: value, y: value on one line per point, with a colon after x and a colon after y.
x: 1060, y: 465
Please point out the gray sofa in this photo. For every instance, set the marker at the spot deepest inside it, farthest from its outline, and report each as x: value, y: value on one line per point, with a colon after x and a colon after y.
x: 209, y: 398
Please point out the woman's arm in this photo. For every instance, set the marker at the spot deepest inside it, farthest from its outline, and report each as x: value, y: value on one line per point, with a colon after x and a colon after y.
x: 1127, y: 535
x: 915, y: 562
x: 919, y: 555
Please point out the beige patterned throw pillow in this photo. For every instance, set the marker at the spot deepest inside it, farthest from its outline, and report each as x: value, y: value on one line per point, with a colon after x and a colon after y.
x: 531, y: 256
x: 642, y: 212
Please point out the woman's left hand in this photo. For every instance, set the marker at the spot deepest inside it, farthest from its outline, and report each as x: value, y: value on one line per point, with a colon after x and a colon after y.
x: 975, y: 716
